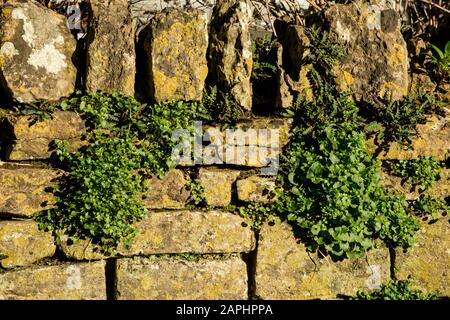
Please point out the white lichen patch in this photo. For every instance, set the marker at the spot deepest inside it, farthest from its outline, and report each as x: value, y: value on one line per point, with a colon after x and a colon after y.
x: 28, y: 28
x: 8, y: 50
x: 49, y: 57
x: 73, y: 281
x: 343, y: 32
x: 374, y: 18
x: 42, y: 55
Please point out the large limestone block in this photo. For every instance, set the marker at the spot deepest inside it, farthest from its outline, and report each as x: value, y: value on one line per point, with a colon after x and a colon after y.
x: 176, y: 279
x: 376, y: 64
x: 175, y: 48
x: 23, y: 243
x: 285, y: 270
x: 428, y: 260
x: 82, y: 281
x: 26, y: 139
x: 23, y: 190
x: 179, y: 232
x: 230, y: 50
x: 111, y: 57
x: 36, y: 52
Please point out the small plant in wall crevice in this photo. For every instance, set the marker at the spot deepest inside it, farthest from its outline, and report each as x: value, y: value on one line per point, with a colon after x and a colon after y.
x: 396, y: 290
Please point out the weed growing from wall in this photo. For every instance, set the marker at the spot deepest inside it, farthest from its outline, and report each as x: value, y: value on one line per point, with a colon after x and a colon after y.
x: 197, y: 191
x: 421, y: 172
x: 100, y: 197
x: 397, y: 121
x: 430, y: 207
x: 219, y: 107
x: 396, y: 290
x: 440, y: 61
x: 332, y: 191
x: 264, y: 74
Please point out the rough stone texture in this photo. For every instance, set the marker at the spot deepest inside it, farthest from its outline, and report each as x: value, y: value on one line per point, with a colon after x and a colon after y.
x: 83, y: 281
x: 27, y: 139
x: 175, y: 48
x: 173, y: 279
x: 376, y: 65
x: 23, y: 190
x: 23, y: 243
x: 110, y: 48
x: 428, y: 260
x: 179, y: 232
x: 292, y: 75
x: 433, y: 140
x: 420, y: 81
x: 169, y: 192
x: 285, y: 270
x: 230, y: 50
x: 217, y: 184
x: 256, y: 189
x: 192, y: 231
x: 36, y: 51
x: 439, y: 189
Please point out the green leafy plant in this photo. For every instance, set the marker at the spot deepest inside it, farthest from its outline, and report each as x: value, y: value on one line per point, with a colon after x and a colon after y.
x: 104, y: 111
x: 427, y: 205
x: 422, y: 172
x: 197, y: 198
x: 151, y: 126
x: 39, y: 111
x: 398, y: 120
x: 264, y: 74
x: 100, y: 199
x: 396, y: 290
x: 440, y: 59
x: 257, y: 213
x: 325, y: 51
x: 3, y: 256
x: 331, y: 184
x: 220, y: 107
x: 263, y: 67
x: 333, y: 194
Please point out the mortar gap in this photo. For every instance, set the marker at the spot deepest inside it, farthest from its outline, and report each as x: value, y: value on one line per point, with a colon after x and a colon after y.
x: 111, y: 279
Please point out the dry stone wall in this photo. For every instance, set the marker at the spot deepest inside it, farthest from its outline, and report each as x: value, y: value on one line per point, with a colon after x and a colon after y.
x: 181, y: 252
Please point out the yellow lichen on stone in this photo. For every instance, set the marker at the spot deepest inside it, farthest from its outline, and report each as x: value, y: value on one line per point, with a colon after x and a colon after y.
x: 256, y: 189
x: 433, y: 140
x: 177, y: 232
x: 428, y: 260
x: 23, y: 190
x: 172, y: 278
x: 23, y: 243
x: 399, y: 55
x: 217, y: 184
x: 55, y: 282
x: 390, y: 88
x: 302, y: 275
x: 176, y: 49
